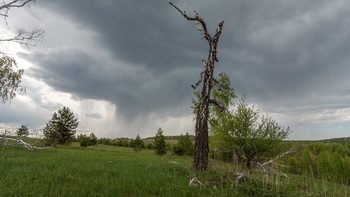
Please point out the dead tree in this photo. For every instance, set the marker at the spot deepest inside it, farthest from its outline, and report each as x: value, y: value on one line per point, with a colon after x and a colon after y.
x: 201, y: 150
x: 7, y: 139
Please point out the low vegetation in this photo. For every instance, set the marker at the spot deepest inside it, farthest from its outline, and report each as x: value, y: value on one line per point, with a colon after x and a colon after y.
x: 330, y: 161
x: 118, y: 171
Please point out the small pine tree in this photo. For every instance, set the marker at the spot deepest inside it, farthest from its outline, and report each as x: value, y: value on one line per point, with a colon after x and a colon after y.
x: 22, y: 131
x: 187, y: 143
x: 61, y: 128
x: 160, y: 143
x: 138, y: 143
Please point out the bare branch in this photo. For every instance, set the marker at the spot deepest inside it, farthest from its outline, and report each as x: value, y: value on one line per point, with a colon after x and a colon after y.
x: 26, y: 38
x: 199, y: 81
x: 6, y: 6
x: 222, y: 108
x: 218, y: 32
x: 14, y: 4
x: 195, y: 181
x: 204, y: 63
x: 217, y: 36
x: 202, y: 27
x: 265, y: 166
x: 278, y: 157
x: 239, y: 177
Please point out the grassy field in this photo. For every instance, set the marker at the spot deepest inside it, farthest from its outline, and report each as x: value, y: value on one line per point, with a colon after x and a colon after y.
x: 115, y: 171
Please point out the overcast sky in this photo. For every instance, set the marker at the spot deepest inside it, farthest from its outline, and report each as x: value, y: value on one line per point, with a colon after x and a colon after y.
x: 126, y: 67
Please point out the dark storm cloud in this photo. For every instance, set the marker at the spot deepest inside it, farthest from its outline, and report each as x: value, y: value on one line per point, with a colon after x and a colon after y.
x: 141, y: 32
x: 278, y: 53
x: 135, y: 90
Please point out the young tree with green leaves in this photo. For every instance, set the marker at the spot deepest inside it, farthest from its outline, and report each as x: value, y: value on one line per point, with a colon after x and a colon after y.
x: 160, y: 143
x: 22, y: 131
x: 307, y: 163
x: 254, y: 136
x: 323, y: 164
x: 240, y: 129
x: 61, y: 128
x: 10, y: 78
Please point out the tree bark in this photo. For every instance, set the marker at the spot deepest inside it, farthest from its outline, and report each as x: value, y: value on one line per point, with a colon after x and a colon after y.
x: 201, y: 150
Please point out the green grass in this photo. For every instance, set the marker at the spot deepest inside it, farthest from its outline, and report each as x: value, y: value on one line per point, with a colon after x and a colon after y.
x: 116, y: 171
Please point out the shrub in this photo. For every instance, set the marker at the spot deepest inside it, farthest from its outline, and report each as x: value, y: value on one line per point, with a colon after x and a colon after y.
x: 150, y: 146
x: 122, y: 142
x: 184, y: 146
x: 87, y: 140
x: 178, y: 150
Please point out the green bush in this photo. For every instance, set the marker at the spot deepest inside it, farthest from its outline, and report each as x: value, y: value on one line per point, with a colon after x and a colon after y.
x: 87, y: 140
x: 178, y: 150
x: 150, y: 146
x: 184, y: 146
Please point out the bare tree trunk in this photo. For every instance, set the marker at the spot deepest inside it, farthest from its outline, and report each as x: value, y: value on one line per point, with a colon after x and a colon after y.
x: 201, y: 149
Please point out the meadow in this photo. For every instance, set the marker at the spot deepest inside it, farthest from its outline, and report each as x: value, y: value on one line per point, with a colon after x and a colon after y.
x: 119, y: 171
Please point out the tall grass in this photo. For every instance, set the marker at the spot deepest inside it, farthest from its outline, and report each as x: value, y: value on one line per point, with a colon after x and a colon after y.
x: 116, y: 171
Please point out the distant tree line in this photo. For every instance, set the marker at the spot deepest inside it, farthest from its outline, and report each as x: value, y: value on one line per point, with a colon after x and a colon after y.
x: 159, y: 143
x: 330, y: 161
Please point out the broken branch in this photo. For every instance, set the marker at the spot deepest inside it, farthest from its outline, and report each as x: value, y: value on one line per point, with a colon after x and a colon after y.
x: 199, y: 81
x: 222, y: 108
x: 202, y: 27
x: 22, y: 143
x: 26, y: 38
x: 13, y: 4
x: 278, y: 157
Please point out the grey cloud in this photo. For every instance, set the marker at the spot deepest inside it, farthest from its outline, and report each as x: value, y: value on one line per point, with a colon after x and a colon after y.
x: 133, y: 90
